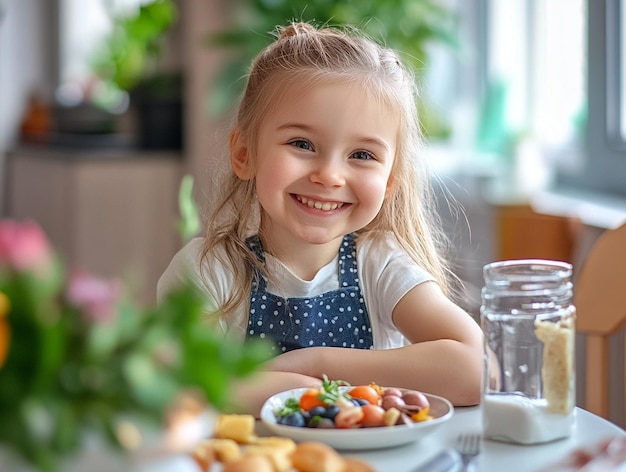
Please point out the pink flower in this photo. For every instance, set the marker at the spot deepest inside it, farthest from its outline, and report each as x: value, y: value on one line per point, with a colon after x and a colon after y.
x: 96, y: 297
x: 24, y: 246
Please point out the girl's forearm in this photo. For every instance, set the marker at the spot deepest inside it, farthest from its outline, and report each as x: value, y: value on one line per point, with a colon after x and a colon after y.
x: 443, y: 367
x: 249, y: 395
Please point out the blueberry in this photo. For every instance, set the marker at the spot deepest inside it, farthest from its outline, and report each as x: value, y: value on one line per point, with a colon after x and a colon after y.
x: 293, y: 419
x: 330, y: 412
x: 360, y: 401
x: 317, y: 411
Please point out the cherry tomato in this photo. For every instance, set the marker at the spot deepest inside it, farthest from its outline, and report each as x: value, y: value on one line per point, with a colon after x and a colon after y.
x: 373, y: 415
x: 310, y: 399
x: 365, y: 392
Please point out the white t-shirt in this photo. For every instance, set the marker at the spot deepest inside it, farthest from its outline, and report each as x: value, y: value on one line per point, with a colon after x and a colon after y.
x: 386, y: 273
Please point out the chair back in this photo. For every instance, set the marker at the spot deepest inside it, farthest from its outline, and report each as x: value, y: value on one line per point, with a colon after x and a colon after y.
x: 600, y: 299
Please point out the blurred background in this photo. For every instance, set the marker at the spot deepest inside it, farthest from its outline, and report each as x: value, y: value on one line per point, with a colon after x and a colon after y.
x: 106, y: 104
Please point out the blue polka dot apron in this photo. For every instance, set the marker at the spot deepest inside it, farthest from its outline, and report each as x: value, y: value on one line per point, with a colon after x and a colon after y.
x: 336, y: 318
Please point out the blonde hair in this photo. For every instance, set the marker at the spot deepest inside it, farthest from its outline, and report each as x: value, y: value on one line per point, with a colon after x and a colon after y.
x: 305, y: 55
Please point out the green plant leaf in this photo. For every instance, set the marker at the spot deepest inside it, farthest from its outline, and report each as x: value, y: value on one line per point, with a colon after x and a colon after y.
x: 131, y: 52
x: 189, y: 223
x: 409, y: 26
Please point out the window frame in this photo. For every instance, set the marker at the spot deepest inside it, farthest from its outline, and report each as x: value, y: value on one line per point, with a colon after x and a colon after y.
x: 615, y: 69
x: 604, y: 167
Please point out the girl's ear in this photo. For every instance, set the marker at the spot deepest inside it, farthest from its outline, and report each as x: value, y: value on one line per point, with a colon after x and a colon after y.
x: 239, y: 156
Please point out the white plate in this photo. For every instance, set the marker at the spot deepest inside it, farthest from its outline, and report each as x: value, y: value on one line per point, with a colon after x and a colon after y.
x: 359, y: 438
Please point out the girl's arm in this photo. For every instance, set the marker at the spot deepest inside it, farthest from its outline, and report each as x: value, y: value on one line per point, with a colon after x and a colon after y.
x: 249, y: 395
x: 445, y: 357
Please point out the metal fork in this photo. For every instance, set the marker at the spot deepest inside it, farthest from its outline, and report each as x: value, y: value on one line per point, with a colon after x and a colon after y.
x: 468, y: 446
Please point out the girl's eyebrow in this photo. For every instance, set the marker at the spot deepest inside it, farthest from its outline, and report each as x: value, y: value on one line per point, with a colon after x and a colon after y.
x: 374, y: 141
x: 371, y: 140
x: 300, y: 126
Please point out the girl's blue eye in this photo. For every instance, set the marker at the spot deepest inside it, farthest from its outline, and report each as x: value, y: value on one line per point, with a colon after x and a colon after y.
x: 363, y: 155
x: 302, y: 144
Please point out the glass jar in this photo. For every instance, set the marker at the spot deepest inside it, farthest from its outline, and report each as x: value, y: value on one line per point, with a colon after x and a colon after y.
x: 528, y: 321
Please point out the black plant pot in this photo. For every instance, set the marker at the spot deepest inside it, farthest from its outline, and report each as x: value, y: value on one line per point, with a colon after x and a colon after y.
x: 160, y: 125
x: 159, y: 106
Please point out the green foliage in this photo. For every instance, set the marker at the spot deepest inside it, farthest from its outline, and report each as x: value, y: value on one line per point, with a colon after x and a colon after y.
x: 189, y: 223
x: 77, y: 355
x: 409, y: 26
x: 133, y: 49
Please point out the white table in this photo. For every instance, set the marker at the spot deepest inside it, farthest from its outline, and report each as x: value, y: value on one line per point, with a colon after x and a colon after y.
x: 494, y: 457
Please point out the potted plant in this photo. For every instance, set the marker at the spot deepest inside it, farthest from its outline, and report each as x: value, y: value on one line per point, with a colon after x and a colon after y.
x: 82, y: 364
x: 130, y: 60
x: 409, y: 26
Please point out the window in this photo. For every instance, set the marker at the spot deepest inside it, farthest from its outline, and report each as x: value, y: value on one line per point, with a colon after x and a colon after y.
x: 618, y: 51
x: 604, y: 166
x: 520, y: 78
x: 616, y: 73
x: 84, y: 23
x: 558, y: 82
x: 561, y: 71
x: 536, y: 67
x: 554, y: 73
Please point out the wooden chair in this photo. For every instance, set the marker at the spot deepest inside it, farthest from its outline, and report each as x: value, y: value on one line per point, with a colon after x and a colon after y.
x: 600, y: 299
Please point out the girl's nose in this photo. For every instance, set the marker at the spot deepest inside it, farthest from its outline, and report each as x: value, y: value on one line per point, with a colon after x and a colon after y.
x: 329, y: 173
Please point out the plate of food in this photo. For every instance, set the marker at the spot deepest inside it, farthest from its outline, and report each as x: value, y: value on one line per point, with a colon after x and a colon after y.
x: 356, y: 417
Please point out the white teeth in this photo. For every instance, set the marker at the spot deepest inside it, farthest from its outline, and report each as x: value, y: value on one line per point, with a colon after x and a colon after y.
x: 324, y: 206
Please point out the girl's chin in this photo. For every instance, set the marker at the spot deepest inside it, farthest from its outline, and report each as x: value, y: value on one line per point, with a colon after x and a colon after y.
x: 316, y: 236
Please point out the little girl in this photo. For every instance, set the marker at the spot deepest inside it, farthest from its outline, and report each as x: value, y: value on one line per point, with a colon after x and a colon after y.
x: 324, y: 242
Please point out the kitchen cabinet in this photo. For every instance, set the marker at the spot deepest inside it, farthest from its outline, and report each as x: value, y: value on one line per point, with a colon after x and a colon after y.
x: 110, y: 212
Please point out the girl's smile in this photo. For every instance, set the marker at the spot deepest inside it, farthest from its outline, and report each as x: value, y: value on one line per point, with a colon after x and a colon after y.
x: 323, y: 164
x: 323, y: 206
